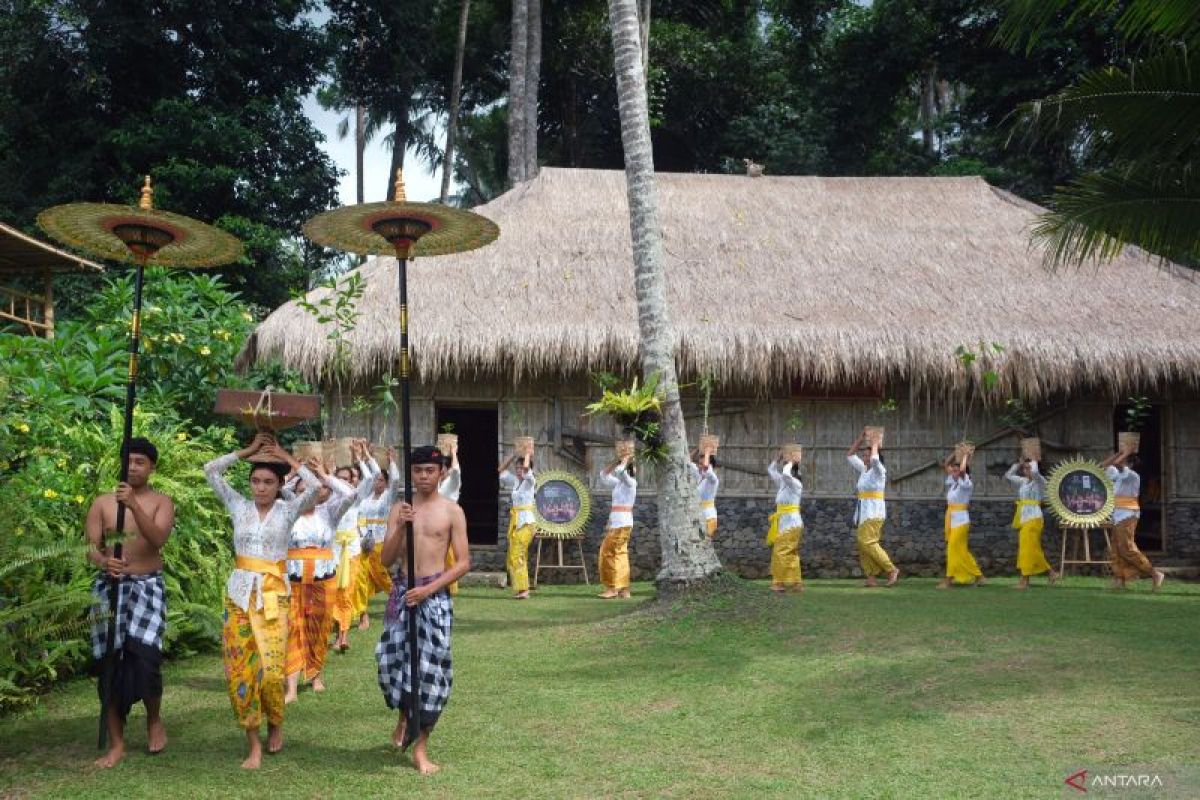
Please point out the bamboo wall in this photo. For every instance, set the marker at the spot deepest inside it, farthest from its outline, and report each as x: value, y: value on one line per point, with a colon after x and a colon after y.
x: 752, y: 428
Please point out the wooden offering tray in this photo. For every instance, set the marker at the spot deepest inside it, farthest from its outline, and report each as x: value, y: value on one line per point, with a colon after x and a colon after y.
x: 267, y: 410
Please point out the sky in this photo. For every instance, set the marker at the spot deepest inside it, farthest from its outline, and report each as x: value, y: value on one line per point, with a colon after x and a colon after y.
x: 420, y: 185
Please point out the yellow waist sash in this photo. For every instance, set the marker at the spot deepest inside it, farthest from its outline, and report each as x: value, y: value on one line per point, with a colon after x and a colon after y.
x: 310, y: 555
x: 273, y: 585
x: 1021, y: 504
x: 513, y: 513
x: 1127, y: 503
x: 373, y: 521
x: 343, y: 540
x: 870, y: 495
x: 773, y: 531
x: 950, y: 509
x: 708, y: 503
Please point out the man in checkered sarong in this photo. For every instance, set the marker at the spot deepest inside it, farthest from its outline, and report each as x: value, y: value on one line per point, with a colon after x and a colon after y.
x: 439, y: 525
x: 141, y: 611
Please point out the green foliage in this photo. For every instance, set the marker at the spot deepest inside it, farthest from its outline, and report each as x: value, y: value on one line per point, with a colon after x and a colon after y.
x: 1016, y: 415
x: 628, y: 404
x: 337, y: 310
x: 1137, y: 118
x: 1137, y: 413
x: 60, y: 460
x: 795, y: 422
x: 708, y: 382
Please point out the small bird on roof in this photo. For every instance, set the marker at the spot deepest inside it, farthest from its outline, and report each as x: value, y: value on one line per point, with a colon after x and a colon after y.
x: 753, y: 169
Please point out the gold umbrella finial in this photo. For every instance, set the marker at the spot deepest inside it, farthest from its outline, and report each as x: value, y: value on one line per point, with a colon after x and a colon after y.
x: 400, y: 196
x: 147, y: 201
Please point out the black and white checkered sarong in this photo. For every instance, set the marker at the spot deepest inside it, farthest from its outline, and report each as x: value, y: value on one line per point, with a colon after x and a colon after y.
x: 434, y: 619
x: 141, y: 612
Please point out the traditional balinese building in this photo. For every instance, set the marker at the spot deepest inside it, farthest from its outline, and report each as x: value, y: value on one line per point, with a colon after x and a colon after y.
x: 812, y: 301
x: 29, y: 307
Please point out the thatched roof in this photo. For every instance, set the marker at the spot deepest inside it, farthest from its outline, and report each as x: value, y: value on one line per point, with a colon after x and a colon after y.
x: 772, y: 280
x: 22, y: 253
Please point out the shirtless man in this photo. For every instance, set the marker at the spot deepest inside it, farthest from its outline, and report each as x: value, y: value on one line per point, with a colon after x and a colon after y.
x: 439, y: 525
x: 142, y: 607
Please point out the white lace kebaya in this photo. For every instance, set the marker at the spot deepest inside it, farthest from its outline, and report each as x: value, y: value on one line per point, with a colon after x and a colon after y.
x: 267, y: 537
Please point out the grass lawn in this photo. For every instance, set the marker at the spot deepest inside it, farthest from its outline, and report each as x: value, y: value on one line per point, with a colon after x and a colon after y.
x: 840, y: 692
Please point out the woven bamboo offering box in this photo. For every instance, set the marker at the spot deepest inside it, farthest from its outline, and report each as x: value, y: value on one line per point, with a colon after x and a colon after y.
x: 624, y: 448
x: 303, y: 451
x: 379, y: 452
x: 1031, y: 448
x: 874, y: 435
x: 963, y: 450
x: 709, y: 444
x: 267, y: 410
x: 338, y: 451
x: 1129, y: 441
x: 446, y: 442
x: 792, y: 452
x: 524, y: 445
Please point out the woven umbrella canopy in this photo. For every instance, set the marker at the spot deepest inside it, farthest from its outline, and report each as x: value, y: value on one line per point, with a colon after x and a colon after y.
x: 405, y: 230
x: 138, y: 235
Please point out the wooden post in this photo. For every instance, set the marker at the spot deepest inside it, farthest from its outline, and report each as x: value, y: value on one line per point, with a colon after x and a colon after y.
x: 48, y: 308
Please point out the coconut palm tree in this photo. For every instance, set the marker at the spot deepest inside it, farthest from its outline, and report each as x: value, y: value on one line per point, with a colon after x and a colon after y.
x: 1141, y: 121
x: 688, y: 556
x: 516, y: 91
x: 455, y: 98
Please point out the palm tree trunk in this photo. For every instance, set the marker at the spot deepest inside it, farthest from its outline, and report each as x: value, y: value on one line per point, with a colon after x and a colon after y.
x: 455, y: 99
x: 533, y: 74
x: 360, y: 147
x: 399, y: 140
x: 688, y: 556
x: 517, y: 91
x: 928, y: 108
x: 644, y: 33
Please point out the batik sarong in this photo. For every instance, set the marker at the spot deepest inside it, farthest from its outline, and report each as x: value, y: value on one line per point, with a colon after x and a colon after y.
x: 254, y: 651
x: 1127, y: 561
x: 309, y: 626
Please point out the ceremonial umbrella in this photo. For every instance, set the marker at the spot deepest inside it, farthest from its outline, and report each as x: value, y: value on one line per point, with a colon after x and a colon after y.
x: 139, y: 236
x: 405, y: 230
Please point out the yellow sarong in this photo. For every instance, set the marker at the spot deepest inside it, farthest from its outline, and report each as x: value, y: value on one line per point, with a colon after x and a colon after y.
x: 343, y: 605
x: 253, y: 650
x: 451, y: 587
x: 343, y: 541
x: 871, y: 555
x: 614, y: 558
x: 785, y: 557
x: 373, y: 578
x: 773, y: 530
x: 960, y: 564
x: 1031, y: 560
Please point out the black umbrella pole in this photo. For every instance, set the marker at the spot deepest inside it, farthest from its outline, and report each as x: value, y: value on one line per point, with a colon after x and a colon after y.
x: 412, y: 728
x: 108, y: 672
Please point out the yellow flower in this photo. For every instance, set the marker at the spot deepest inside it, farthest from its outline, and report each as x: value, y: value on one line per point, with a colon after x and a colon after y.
x: 246, y: 316
x: 61, y: 463
x: 204, y: 351
x: 49, y: 494
x: 181, y: 437
x: 19, y: 531
x: 79, y: 499
x: 22, y: 427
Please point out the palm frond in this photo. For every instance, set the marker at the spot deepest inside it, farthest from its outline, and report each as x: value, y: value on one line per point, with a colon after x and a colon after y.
x: 1097, y: 215
x: 1168, y: 20
x: 1150, y: 112
x: 56, y: 550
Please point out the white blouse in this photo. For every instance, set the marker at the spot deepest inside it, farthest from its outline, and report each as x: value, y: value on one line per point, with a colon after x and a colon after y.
x: 624, y: 493
x: 706, y: 486
x: 789, y: 490
x: 254, y: 536
x: 377, y: 506
x: 317, y: 530
x: 451, y: 485
x: 522, y: 495
x: 1031, y: 488
x: 1126, y: 483
x: 349, y: 519
x: 873, y: 479
x: 958, y: 492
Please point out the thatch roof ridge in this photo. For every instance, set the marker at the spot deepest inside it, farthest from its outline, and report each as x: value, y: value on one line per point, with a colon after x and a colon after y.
x: 772, y: 280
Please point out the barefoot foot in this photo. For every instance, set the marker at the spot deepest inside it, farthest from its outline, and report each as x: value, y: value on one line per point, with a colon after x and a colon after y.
x: 398, y: 734
x: 607, y: 594
x: 623, y: 594
x: 274, y: 739
x: 1159, y: 577
x: 424, y: 765
x: 893, y: 576
x: 870, y: 582
x: 115, y: 753
x: 944, y: 583
x: 318, y: 684
x: 156, y: 736
x: 521, y: 595
x: 364, y: 622
x: 254, y: 751
x: 289, y: 698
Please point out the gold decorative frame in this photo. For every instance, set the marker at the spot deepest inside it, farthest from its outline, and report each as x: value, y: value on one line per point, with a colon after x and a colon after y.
x: 1071, y: 519
x: 563, y: 530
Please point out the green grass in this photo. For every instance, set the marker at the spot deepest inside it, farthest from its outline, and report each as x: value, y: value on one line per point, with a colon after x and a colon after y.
x: 841, y: 692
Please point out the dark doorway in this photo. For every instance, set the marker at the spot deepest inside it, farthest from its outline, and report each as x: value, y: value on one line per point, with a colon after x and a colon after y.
x: 1150, y: 527
x: 478, y: 431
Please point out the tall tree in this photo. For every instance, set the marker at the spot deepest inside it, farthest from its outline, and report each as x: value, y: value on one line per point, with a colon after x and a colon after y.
x: 455, y: 98
x: 688, y: 556
x: 533, y: 79
x: 204, y: 97
x: 517, y: 91
x: 1140, y: 115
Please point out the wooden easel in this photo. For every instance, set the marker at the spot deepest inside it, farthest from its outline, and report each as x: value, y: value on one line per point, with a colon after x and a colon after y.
x: 558, y: 540
x: 1078, y: 536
